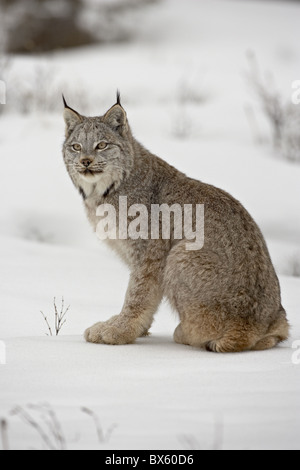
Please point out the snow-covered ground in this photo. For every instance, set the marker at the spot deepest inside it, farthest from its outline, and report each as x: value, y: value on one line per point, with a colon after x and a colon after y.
x: 154, y: 394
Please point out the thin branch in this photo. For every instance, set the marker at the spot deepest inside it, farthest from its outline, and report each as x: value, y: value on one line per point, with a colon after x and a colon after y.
x: 49, y: 429
x: 103, y: 437
x: 4, y: 435
x: 50, y: 419
x: 28, y: 419
x: 47, y: 323
x: 59, y: 317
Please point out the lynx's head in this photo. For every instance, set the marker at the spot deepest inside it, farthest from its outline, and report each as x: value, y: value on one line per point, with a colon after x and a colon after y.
x: 98, y: 150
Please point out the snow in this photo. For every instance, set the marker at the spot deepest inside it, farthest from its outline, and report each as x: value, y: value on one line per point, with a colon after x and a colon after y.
x: 156, y: 394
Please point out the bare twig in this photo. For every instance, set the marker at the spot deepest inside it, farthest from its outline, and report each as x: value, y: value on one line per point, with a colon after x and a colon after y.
x: 43, y: 420
x: 59, y: 318
x: 4, y: 436
x: 191, y: 442
x: 49, y: 327
x: 28, y: 419
x: 103, y: 437
x: 49, y: 430
x: 50, y: 419
x: 282, y: 115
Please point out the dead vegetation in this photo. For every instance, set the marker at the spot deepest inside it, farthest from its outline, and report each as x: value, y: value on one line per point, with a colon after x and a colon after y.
x: 281, y: 114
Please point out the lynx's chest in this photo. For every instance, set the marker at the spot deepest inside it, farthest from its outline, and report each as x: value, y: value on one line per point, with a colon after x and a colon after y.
x: 92, y: 194
x: 94, y: 205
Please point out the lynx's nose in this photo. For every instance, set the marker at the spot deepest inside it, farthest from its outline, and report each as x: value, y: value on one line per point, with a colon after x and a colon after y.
x: 86, y: 161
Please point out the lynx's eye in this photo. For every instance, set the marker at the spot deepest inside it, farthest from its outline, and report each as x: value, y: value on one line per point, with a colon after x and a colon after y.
x: 76, y: 147
x: 101, y: 146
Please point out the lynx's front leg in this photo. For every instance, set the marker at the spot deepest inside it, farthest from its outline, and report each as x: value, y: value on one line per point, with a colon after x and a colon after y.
x: 142, y: 299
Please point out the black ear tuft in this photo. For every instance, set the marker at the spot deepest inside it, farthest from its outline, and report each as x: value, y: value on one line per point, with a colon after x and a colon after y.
x: 116, y: 117
x: 67, y: 106
x: 118, y: 97
x: 65, y: 103
x: 71, y: 117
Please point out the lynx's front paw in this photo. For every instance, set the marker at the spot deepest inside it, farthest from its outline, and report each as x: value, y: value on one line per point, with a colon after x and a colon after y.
x: 113, y: 331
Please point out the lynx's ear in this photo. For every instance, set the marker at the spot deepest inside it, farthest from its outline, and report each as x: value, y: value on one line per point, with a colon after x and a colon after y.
x: 116, y: 117
x: 71, y: 117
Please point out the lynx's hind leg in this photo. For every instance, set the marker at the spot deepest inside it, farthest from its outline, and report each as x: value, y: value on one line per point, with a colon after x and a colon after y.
x: 205, y: 330
x: 202, y: 329
x: 214, y: 314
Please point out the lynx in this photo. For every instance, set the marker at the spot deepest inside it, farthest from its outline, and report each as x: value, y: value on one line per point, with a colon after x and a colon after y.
x: 227, y: 294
